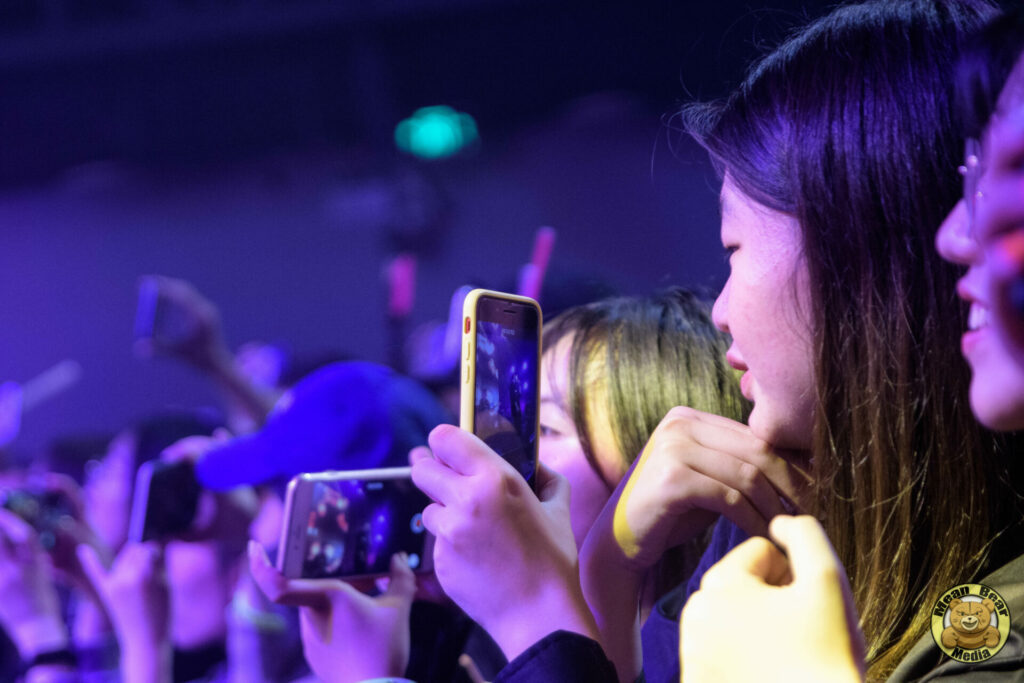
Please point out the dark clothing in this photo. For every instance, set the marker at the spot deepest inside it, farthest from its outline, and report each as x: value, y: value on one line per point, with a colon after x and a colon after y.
x: 660, y: 634
x: 440, y: 634
x: 560, y: 657
x: 555, y: 658
x: 925, y: 662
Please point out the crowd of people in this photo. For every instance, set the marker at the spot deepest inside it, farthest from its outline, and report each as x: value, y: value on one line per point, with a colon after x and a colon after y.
x: 794, y: 482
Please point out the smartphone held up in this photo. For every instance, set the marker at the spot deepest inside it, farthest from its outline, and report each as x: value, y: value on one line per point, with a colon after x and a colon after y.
x: 500, y: 397
x: 165, y: 502
x: 349, y: 524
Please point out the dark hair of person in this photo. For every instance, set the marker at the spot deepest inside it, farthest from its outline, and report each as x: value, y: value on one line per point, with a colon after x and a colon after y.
x: 641, y: 357
x: 985, y: 66
x: 849, y: 127
x: 644, y: 356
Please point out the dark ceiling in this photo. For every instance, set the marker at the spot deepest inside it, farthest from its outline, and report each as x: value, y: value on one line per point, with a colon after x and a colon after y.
x: 188, y: 81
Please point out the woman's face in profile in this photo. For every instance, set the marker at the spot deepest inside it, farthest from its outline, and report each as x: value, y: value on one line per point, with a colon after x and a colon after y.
x: 765, y: 306
x: 997, y: 369
x: 560, y: 449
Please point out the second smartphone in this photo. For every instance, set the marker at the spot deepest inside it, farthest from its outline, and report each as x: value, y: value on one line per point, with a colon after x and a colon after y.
x: 500, y: 397
x: 349, y: 524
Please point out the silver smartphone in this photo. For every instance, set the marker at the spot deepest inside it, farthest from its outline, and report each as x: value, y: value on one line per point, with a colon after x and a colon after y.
x: 349, y: 524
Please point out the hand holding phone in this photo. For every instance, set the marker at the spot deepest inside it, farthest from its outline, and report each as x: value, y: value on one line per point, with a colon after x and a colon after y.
x: 350, y: 524
x: 45, y: 510
x: 172, y: 316
x: 347, y: 635
x: 165, y: 502
x: 501, y: 375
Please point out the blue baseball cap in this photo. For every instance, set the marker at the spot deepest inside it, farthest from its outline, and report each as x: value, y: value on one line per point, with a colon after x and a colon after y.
x: 344, y: 416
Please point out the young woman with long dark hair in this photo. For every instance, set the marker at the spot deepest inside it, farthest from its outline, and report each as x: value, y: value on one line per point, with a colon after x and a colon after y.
x: 836, y: 155
x: 817, y: 634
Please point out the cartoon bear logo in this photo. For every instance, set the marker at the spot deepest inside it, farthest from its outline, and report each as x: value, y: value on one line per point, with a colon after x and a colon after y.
x: 970, y: 625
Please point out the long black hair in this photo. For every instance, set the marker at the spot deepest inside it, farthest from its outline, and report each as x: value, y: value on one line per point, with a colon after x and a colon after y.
x: 849, y: 126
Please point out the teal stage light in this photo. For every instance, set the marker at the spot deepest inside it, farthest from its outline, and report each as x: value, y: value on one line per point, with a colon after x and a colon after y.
x: 435, y: 132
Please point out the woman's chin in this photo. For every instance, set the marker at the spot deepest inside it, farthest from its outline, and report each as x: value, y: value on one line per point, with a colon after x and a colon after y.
x: 781, y: 431
x: 999, y: 411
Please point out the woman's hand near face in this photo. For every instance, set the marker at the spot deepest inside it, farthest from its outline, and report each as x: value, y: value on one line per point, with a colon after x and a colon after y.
x: 695, y: 467
x: 347, y: 636
x: 507, y: 557
x: 793, y: 618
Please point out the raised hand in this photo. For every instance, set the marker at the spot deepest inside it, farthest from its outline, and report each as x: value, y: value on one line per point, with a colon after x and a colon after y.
x: 793, y: 616
x: 695, y: 467
x: 135, y: 595
x: 506, y: 556
x: 347, y: 635
x: 29, y: 607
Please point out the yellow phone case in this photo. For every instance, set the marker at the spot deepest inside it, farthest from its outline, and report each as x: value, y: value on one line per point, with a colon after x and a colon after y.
x: 467, y: 413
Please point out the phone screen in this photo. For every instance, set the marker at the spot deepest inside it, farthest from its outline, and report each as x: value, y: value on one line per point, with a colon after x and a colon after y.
x: 505, y: 395
x: 160, y: 319
x: 354, y: 526
x: 45, y: 511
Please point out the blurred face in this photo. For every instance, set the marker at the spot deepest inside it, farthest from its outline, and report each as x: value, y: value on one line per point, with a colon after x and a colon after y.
x: 560, y: 448
x: 997, y: 380
x: 764, y: 305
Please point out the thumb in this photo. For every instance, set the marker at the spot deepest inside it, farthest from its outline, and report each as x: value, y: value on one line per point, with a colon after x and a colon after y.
x: 420, y: 453
x: 402, y: 583
x: 812, y: 559
x: 811, y: 556
x: 310, y: 593
x: 756, y: 558
x: 552, y: 487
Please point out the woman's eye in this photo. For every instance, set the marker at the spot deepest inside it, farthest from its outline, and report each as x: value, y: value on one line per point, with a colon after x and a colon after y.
x: 548, y: 431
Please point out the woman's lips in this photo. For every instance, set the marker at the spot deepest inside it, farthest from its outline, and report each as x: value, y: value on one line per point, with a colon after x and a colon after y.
x: 745, y: 388
x: 977, y: 324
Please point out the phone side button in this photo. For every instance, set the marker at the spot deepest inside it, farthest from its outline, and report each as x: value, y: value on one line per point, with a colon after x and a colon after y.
x: 467, y: 375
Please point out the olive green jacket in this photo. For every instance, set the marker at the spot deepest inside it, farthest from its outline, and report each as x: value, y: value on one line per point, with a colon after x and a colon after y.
x: 926, y: 662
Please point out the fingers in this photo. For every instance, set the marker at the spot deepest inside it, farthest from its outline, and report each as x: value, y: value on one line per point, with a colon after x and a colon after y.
x: 710, y: 419
x: 94, y: 570
x: 402, y: 583
x: 189, y: 448
x: 812, y: 559
x: 738, y: 477
x: 755, y: 558
x: 463, y: 452
x: 723, y: 436
x: 438, y: 481
x: 432, y: 519
x: 266, y: 576
x: 282, y: 591
x: 419, y: 454
x: 804, y: 541
x: 16, y: 530
x: 552, y: 487
x: 221, y: 435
